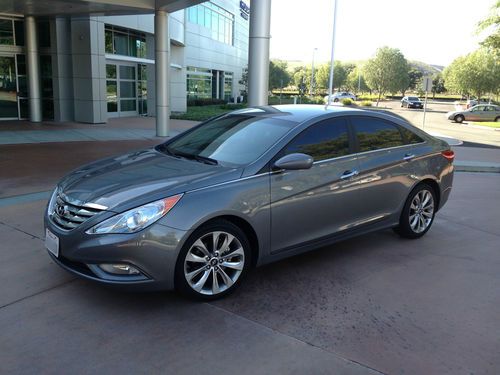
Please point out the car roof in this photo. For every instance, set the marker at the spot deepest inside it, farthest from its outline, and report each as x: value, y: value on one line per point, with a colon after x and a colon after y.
x: 295, y: 112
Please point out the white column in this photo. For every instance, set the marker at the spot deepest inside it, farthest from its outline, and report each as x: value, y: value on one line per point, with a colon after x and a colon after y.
x: 162, y: 67
x: 33, y: 69
x: 258, y: 53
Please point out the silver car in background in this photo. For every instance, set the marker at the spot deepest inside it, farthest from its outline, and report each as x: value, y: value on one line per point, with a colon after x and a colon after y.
x: 481, y: 112
x: 245, y: 189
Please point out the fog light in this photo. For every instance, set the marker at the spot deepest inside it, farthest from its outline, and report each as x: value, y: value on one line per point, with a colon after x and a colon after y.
x: 119, y: 269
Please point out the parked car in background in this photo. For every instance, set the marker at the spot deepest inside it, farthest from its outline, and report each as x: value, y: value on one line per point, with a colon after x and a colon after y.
x: 411, y: 102
x: 244, y: 189
x: 338, y: 96
x: 482, y: 112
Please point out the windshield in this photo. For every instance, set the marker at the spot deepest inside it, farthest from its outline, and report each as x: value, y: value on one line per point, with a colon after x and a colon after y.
x: 234, y: 140
x: 413, y: 99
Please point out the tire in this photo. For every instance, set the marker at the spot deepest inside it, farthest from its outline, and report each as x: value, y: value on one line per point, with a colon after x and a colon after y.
x: 416, y: 219
x: 335, y: 100
x: 229, y: 268
x: 459, y: 119
x: 497, y: 119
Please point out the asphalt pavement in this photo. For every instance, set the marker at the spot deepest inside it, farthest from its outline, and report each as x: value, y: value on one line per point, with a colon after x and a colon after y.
x: 369, y: 305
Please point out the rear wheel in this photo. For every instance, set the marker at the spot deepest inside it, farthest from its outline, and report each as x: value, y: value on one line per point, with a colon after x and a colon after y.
x: 459, y: 119
x: 497, y: 119
x: 418, y: 212
x: 213, y: 261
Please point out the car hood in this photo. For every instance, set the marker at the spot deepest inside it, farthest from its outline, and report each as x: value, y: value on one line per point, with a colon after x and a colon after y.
x: 133, y: 179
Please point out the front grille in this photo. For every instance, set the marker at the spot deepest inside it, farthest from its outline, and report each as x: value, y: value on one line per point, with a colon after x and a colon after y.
x: 68, y: 215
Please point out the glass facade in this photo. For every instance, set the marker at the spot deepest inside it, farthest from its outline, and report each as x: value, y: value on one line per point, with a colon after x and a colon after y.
x: 206, y: 83
x: 215, y: 18
x: 199, y: 83
x: 228, y: 85
x: 126, y: 42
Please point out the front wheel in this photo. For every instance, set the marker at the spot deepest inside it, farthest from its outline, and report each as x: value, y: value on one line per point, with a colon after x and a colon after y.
x: 459, y: 119
x: 213, y: 261
x: 418, y: 212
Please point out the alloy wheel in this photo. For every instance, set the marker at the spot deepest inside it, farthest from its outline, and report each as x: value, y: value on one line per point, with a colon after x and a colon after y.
x: 214, y: 263
x: 421, y: 211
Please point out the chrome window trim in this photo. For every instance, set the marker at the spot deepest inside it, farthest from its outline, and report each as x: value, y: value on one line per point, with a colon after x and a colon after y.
x: 390, y: 148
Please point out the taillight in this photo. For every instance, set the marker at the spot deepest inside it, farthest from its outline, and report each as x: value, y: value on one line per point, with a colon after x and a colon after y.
x: 448, y: 155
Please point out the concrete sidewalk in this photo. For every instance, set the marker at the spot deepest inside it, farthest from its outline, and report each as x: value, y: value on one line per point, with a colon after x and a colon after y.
x: 130, y: 128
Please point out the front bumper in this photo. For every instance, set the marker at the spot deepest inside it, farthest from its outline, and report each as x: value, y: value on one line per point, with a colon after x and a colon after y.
x: 153, y: 251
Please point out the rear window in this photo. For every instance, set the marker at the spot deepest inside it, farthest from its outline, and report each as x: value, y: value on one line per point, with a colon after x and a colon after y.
x: 375, y: 134
x: 410, y: 137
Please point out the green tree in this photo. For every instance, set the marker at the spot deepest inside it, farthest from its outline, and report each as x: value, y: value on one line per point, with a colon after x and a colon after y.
x: 355, y: 81
x: 477, y: 73
x: 437, y: 84
x: 301, y: 78
x: 492, y: 22
x: 278, y: 74
x: 387, y: 71
x: 322, y: 75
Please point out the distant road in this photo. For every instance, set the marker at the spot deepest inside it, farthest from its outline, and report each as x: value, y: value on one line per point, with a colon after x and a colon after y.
x: 436, y: 123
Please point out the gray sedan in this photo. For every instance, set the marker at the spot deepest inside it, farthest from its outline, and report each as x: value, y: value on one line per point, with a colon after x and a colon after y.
x: 245, y: 189
x: 481, y: 112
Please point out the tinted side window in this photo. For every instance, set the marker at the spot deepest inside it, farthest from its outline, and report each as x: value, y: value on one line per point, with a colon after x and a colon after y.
x: 325, y: 140
x: 374, y: 134
x: 410, y: 137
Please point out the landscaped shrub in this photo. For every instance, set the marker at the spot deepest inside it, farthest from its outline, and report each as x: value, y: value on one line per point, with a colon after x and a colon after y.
x: 233, y: 106
x: 366, y: 103
x: 347, y: 101
x: 204, y: 101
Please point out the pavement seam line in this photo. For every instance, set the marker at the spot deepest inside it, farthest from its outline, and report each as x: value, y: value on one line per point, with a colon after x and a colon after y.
x: 468, y: 226
x: 296, y: 339
x: 38, y: 293
x: 22, y: 231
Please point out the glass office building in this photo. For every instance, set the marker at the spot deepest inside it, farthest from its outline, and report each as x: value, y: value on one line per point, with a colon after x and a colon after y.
x: 92, y: 68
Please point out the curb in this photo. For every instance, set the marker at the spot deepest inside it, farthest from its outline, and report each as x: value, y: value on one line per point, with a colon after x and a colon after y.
x: 476, y: 166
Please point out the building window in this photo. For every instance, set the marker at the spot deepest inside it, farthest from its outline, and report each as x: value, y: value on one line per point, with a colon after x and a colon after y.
x: 11, y: 32
x: 43, y: 31
x: 46, y: 84
x: 126, y: 42
x: 199, y: 83
x: 215, y: 18
x: 228, y: 85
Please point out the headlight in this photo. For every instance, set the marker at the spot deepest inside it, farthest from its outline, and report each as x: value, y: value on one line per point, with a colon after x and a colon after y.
x: 52, y: 202
x: 137, y: 218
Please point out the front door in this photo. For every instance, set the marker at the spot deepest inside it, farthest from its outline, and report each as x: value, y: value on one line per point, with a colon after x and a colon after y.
x: 310, y: 204
x: 121, y: 90
x: 8, y: 88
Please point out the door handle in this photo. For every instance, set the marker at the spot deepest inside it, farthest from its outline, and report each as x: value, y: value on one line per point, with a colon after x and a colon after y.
x: 408, y: 157
x: 349, y: 174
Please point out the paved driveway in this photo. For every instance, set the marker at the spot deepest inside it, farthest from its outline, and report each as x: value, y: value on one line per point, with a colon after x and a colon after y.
x: 373, y: 304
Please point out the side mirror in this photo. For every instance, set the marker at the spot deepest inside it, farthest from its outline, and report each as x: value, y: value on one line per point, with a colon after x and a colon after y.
x: 294, y: 162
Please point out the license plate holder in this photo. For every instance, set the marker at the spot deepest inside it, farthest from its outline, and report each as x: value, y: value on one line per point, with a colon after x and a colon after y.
x: 52, y: 242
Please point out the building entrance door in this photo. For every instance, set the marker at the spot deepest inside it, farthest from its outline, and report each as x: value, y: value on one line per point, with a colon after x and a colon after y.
x: 122, y: 89
x: 9, y: 108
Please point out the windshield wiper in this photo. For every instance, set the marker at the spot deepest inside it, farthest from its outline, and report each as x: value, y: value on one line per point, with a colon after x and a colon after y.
x: 186, y: 155
x: 205, y: 159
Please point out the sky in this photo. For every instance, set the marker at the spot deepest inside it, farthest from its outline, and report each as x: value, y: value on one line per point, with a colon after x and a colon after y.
x: 431, y: 31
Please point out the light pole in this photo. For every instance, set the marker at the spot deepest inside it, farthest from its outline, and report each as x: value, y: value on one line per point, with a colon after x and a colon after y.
x: 330, y: 84
x: 311, y: 90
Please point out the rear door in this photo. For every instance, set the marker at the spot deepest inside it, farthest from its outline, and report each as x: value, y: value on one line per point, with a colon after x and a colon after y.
x: 309, y: 204
x: 385, y: 161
